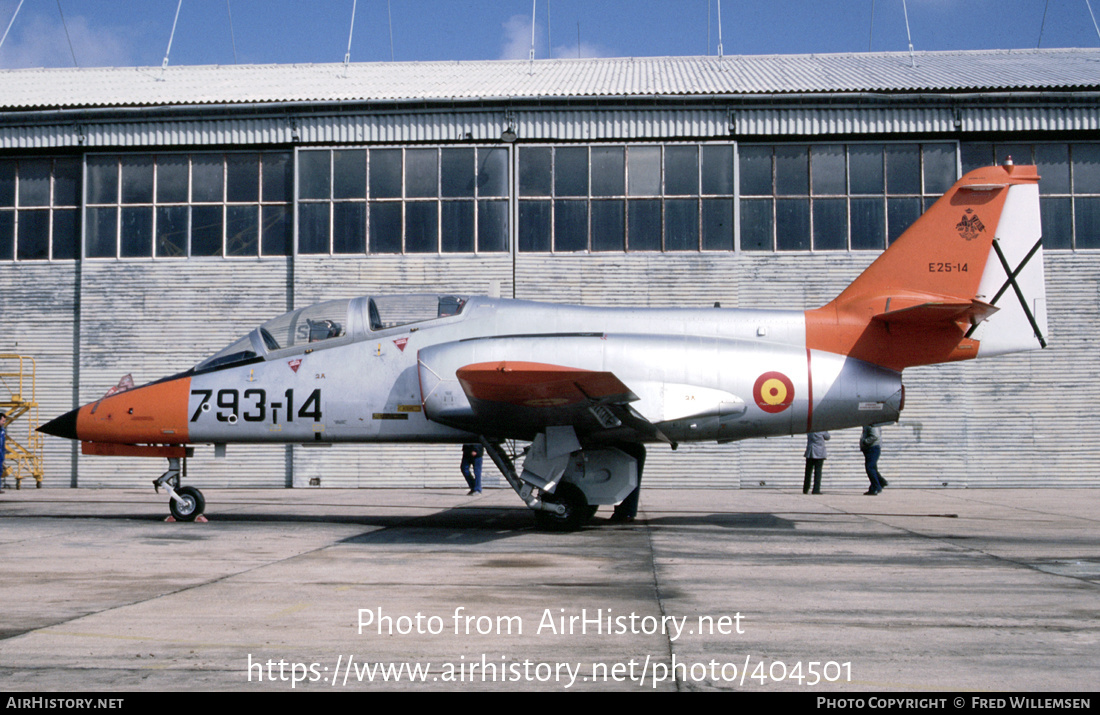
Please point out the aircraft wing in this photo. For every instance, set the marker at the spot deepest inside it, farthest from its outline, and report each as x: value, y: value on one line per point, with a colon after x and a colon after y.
x: 547, y: 395
x: 519, y: 399
x: 538, y: 385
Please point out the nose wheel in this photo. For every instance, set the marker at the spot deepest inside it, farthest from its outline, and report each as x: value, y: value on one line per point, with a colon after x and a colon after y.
x: 185, y: 503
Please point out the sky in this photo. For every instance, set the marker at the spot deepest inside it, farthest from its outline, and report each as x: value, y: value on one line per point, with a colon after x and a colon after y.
x: 122, y: 33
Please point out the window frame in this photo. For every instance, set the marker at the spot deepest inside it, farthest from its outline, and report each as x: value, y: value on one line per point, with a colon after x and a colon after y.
x: 885, y: 198
x: 479, y: 199
x: 630, y: 199
x: 190, y: 203
x: 49, y: 210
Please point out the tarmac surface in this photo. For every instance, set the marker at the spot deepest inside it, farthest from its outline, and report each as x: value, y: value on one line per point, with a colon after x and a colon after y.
x: 759, y: 591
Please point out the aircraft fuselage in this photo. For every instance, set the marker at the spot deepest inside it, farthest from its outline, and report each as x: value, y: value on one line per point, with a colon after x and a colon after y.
x: 698, y: 374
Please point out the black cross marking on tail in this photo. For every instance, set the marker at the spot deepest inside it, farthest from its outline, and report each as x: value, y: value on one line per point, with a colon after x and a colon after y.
x: 1012, y: 274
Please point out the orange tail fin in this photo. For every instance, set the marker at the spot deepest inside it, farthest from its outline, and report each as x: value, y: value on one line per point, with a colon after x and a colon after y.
x: 965, y: 280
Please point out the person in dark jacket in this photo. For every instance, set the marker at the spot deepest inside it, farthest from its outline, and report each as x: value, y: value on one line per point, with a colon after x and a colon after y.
x: 815, y: 460
x: 471, y: 462
x: 870, y: 443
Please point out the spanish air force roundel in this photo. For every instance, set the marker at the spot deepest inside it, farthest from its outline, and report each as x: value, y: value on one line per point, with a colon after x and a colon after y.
x: 773, y: 392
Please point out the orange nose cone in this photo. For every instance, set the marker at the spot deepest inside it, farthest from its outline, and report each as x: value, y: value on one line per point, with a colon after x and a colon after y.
x: 153, y: 414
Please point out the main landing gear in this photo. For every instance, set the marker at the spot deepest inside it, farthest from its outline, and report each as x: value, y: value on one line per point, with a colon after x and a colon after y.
x: 564, y: 485
x: 185, y: 503
x: 566, y: 509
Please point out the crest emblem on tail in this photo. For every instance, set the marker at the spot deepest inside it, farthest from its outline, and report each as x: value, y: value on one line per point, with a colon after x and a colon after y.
x: 970, y: 227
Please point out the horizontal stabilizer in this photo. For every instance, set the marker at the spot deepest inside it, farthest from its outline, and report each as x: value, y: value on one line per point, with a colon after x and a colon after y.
x: 932, y: 312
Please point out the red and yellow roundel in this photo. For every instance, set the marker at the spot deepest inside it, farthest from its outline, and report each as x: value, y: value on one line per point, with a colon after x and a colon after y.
x: 773, y: 392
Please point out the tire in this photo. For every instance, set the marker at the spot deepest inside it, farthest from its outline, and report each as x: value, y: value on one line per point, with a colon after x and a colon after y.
x: 577, y: 510
x: 193, y: 504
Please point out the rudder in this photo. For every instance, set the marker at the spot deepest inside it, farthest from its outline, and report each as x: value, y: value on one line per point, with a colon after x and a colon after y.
x: 1013, y: 279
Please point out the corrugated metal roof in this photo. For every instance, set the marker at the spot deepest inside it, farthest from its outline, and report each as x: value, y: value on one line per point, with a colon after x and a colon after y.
x: 1015, y: 70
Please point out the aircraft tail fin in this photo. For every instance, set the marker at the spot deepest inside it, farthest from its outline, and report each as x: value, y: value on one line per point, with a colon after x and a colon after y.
x: 966, y: 280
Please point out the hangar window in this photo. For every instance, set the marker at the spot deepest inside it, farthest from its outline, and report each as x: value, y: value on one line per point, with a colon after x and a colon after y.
x: 675, y: 197
x: 39, y: 200
x: 837, y: 197
x: 411, y: 200
x: 1069, y: 192
x: 177, y: 205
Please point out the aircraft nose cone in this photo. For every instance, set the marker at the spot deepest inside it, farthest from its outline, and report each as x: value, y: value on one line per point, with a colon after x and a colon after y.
x: 63, y: 426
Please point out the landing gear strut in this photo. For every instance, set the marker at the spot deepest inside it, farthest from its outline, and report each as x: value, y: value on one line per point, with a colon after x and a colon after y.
x: 185, y: 503
x: 566, y: 509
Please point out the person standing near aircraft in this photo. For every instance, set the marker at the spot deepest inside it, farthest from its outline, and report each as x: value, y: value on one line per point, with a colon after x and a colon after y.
x: 870, y: 443
x: 815, y: 460
x: 627, y: 510
x: 471, y: 459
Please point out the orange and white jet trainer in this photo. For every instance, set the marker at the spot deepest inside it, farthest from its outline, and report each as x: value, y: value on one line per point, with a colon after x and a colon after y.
x: 590, y: 387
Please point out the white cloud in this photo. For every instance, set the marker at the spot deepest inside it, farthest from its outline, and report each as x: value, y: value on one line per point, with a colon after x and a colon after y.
x: 517, y: 43
x: 587, y: 49
x: 39, y: 41
x: 517, y: 38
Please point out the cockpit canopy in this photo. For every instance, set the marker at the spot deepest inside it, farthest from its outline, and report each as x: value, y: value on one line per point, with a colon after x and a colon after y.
x: 326, y: 323
x: 313, y: 324
x: 392, y: 311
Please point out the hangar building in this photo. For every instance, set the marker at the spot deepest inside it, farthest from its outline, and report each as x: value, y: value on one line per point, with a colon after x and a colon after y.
x: 149, y: 216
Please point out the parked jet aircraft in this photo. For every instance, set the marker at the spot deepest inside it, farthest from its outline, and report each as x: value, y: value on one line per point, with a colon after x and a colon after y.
x: 589, y: 387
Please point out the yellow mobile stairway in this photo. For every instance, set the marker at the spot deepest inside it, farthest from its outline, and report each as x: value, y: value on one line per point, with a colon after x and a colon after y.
x: 17, y: 401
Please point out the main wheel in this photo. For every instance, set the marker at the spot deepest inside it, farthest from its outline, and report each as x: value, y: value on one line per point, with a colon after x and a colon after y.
x: 577, y: 511
x: 193, y: 504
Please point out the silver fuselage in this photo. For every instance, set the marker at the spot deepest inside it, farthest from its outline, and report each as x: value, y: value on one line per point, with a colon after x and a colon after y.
x: 697, y: 375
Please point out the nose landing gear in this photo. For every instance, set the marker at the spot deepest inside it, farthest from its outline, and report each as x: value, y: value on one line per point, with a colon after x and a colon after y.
x: 185, y: 503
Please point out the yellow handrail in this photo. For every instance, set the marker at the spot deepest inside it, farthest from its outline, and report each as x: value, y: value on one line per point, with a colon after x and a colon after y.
x: 18, y: 402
